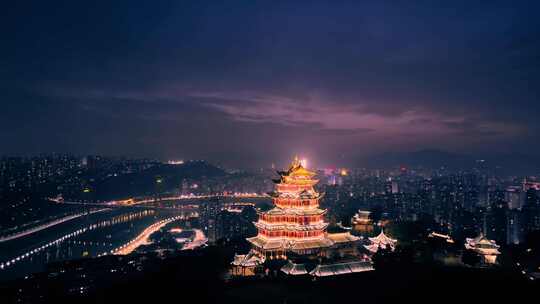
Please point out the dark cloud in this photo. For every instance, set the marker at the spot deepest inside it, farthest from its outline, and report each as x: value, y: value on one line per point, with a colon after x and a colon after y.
x: 250, y: 82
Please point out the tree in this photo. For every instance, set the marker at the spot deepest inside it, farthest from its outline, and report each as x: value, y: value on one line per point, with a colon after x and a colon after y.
x: 376, y: 214
x: 470, y: 258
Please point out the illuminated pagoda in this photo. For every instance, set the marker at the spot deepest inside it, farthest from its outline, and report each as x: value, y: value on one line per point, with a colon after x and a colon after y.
x: 381, y: 241
x: 245, y: 264
x: 488, y: 249
x: 295, y: 227
x: 362, y: 222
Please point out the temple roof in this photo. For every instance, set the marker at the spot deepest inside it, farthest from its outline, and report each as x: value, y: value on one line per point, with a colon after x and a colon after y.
x: 266, y: 243
x: 382, y: 239
x: 248, y: 260
x: 481, y: 243
x: 481, y: 240
x: 372, y: 248
x: 294, y: 269
x: 290, y: 244
x: 343, y: 237
x: 310, y: 244
x: 341, y: 268
x: 296, y: 169
x: 445, y: 237
x: 301, y: 171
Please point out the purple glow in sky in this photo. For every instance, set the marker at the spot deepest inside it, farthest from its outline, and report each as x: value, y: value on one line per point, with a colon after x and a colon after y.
x: 248, y: 83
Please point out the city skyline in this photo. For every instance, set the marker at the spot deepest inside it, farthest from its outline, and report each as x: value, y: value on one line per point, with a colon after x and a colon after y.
x: 269, y: 151
x: 246, y: 84
x: 83, y: 227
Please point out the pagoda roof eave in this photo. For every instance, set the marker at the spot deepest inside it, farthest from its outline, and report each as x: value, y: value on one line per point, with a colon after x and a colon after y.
x: 248, y: 260
x: 295, y: 211
x: 382, y: 239
x: 343, y: 237
x: 266, y: 244
x: 294, y: 269
x: 341, y: 268
x: 291, y: 227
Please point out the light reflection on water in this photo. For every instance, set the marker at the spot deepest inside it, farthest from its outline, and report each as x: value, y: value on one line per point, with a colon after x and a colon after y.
x: 94, y: 237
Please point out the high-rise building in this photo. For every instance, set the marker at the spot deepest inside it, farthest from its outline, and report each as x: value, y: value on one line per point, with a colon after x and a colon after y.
x: 514, y: 228
x: 514, y: 197
x: 394, y: 187
x: 496, y: 222
x: 531, y: 210
x: 208, y: 215
x: 233, y: 224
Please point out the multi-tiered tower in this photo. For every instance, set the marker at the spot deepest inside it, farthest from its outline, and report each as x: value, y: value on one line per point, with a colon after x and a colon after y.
x: 296, y: 225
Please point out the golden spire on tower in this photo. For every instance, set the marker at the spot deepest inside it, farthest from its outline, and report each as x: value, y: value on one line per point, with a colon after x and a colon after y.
x: 296, y: 161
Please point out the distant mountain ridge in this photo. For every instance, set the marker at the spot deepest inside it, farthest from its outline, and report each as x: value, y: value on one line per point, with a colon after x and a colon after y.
x: 433, y: 159
x: 424, y: 158
x: 145, y: 182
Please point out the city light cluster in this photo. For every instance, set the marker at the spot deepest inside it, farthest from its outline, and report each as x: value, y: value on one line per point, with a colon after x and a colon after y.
x: 142, y: 238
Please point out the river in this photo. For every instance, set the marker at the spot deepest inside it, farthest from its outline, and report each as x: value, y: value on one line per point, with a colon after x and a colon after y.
x: 86, y: 236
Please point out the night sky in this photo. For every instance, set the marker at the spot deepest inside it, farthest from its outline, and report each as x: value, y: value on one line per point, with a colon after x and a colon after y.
x: 247, y: 83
